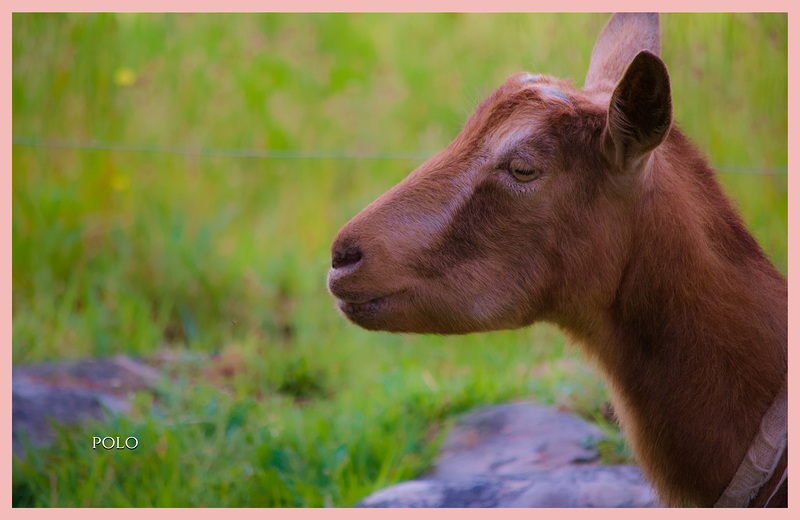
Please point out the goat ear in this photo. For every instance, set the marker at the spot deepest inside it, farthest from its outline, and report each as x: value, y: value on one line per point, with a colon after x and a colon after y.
x: 622, y: 38
x: 639, y: 113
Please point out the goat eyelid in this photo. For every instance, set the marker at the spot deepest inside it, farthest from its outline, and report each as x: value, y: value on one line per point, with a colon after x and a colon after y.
x: 523, y: 174
x: 521, y: 170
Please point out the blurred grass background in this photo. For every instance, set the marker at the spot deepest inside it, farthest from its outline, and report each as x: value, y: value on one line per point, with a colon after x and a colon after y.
x: 145, y: 252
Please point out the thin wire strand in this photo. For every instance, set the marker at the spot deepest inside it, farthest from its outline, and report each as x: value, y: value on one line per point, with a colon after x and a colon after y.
x: 236, y: 153
x: 241, y: 153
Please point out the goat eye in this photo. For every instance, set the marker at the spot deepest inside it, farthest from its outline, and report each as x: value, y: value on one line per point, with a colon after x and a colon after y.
x: 523, y: 174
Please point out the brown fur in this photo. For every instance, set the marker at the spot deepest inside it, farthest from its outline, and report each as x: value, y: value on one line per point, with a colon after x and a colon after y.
x: 625, y: 239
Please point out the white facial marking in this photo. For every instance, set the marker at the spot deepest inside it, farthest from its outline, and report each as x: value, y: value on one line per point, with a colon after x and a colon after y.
x: 530, y: 79
x: 512, y: 140
x: 431, y: 219
x: 554, y: 93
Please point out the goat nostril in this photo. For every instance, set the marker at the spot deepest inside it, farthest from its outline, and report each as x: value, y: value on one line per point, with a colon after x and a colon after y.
x: 343, y: 258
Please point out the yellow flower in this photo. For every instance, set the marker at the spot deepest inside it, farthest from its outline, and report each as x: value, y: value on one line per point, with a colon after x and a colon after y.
x: 124, y: 77
x: 120, y: 182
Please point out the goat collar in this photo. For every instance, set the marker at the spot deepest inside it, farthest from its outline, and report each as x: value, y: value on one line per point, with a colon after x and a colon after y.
x: 763, y: 456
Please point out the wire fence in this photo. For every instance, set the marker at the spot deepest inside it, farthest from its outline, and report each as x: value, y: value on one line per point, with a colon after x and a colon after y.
x: 243, y: 153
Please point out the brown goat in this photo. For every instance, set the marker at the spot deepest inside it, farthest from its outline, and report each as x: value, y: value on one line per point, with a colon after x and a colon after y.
x: 588, y: 209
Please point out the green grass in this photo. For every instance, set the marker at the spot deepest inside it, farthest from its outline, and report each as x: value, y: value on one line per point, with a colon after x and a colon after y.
x: 137, y: 252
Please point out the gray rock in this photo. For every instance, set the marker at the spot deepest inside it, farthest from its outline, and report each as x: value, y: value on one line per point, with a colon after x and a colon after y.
x: 71, y: 392
x: 516, y: 438
x: 604, y: 486
x: 34, y: 405
x: 520, y: 455
x: 117, y: 375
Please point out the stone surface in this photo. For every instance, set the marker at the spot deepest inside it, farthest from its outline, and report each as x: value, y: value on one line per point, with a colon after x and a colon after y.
x: 114, y: 375
x: 603, y: 486
x: 516, y: 438
x: 70, y: 392
x: 520, y: 455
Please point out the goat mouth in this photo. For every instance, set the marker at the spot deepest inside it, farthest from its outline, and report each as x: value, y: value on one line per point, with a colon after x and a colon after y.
x: 363, y: 312
x: 361, y: 305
